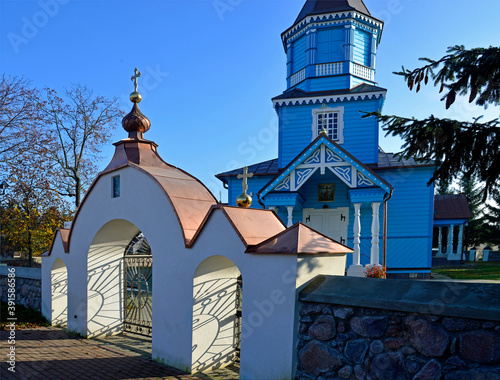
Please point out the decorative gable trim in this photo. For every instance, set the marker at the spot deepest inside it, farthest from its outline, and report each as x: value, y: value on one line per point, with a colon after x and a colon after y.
x: 329, y: 99
x: 323, y: 153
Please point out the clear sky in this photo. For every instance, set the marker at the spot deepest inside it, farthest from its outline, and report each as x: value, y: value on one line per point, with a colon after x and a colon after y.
x: 210, y: 67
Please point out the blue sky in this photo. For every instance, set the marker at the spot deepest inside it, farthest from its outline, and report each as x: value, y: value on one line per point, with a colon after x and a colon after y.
x: 210, y: 67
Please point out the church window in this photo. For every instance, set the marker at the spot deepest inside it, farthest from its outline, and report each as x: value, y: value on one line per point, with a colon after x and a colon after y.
x: 330, y: 119
x: 116, y: 186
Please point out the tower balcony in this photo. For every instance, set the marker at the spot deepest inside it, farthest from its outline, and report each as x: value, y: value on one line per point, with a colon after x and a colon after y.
x: 332, y: 69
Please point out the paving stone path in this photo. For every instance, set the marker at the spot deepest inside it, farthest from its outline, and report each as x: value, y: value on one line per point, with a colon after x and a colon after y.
x: 51, y: 353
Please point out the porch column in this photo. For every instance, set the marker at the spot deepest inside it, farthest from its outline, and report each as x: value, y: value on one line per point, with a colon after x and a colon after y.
x: 273, y: 208
x: 440, y: 241
x: 450, y: 241
x: 374, y: 256
x: 356, y: 269
x: 290, y: 216
x: 460, y: 240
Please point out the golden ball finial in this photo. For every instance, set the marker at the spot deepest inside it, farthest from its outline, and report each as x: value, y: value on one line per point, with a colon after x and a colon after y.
x: 244, y: 200
x: 135, y: 97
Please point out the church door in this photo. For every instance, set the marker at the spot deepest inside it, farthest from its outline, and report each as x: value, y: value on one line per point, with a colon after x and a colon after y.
x: 330, y: 222
x: 138, y: 267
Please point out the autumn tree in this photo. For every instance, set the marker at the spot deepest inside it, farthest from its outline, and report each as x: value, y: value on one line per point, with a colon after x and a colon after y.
x: 20, y: 118
x: 456, y: 146
x: 80, y: 123
x: 31, y: 210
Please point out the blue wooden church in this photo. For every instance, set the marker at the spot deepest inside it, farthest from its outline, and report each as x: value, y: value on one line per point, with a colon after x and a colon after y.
x: 330, y: 172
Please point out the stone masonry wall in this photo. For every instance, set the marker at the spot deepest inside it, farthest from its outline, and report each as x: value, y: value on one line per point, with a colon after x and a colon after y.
x: 28, y: 290
x: 363, y: 343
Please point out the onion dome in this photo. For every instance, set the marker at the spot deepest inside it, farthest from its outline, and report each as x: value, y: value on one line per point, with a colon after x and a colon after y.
x: 135, y: 123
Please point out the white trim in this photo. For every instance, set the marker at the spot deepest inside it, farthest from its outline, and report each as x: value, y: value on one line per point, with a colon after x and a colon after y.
x: 340, y: 123
x: 329, y: 98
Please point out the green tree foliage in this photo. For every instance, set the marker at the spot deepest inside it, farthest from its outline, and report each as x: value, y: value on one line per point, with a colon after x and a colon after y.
x: 475, y: 232
x: 492, y: 218
x: 456, y: 146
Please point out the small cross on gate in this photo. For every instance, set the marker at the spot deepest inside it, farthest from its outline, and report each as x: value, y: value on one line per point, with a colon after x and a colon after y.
x: 136, y: 75
x: 245, y: 175
x: 323, y: 119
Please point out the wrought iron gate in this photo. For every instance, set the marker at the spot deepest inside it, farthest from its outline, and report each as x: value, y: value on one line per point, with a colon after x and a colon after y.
x: 138, y: 290
x: 237, y: 323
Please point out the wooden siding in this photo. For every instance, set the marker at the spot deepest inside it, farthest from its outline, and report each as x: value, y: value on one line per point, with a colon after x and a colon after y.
x: 362, y: 47
x: 409, y: 217
x: 360, y: 135
x: 299, y: 54
x: 329, y: 83
x: 330, y: 44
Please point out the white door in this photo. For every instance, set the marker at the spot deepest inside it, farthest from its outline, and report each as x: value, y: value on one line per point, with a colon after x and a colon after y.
x: 330, y: 222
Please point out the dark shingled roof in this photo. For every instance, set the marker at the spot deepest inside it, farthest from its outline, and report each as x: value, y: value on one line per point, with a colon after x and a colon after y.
x: 298, y: 93
x: 316, y: 7
x: 451, y: 206
x: 269, y: 167
x: 389, y: 160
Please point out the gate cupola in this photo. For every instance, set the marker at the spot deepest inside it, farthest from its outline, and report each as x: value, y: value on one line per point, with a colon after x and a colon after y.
x: 135, y: 123
x: 332, y: 45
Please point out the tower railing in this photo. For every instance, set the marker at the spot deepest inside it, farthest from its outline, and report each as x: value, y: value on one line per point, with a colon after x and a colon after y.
x: 299, y: 76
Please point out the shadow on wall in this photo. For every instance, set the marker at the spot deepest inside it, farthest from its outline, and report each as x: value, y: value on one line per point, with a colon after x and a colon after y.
x: 59, y: 285
x: 216, y: 313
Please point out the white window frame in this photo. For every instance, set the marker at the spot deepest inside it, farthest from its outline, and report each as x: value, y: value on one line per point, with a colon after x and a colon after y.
x: 340, y: 122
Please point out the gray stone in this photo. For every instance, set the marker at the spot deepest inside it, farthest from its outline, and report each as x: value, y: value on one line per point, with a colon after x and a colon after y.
x: 370, y: 327
x: 333, y: 343
x: 340, y: 345
x: 453, y: 346
x: 488, y: 325
x: 480, y: 346
x: 407, y: 350
x: 311, y: 308
x: 412, y: 366
x: 303, y: 328
x: 342, y: 337
x: 343, y: 312
x: 393, y: 343
x: 345, y: 372
x: 377, y: 347
x: 355, y: 350
x: 394, y: 320
x: 431, y: 371
x: 387, y: 366
x: 316, y: 358
x: 359, y: 371
x: 306, y: 319
x: 341, y: 327
x: 460, y: 324
x: 455, y: 361
x: 323, y: 328
x: 474, y: 374
x: 326, y: 310
x: 430, y: 340
x: 394, y: 332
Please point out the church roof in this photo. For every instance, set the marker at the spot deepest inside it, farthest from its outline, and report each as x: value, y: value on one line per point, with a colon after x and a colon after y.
x: 391, y: 161
x: 269, y: 167
x: 315, y: 7
x: 296, y: 93
x: 451, y: 206
x: 299, y: 239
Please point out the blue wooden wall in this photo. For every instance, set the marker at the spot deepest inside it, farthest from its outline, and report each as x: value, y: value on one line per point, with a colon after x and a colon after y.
x: 360, y: 135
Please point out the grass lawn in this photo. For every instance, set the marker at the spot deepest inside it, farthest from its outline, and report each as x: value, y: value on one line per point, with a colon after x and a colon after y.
x: 471, y: 271
x: 26, y: 318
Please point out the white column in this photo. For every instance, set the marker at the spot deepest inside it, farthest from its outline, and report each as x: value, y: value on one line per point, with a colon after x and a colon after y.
x: 449, y: 251
x: 374, y: 256
x: 356, y: 269
x: 460, y: 240
x: 290, y: 216
x: 440, y: 242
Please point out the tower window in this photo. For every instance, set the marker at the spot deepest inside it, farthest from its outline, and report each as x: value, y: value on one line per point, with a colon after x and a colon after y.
x: 330, y: 119
x: 116, y: 186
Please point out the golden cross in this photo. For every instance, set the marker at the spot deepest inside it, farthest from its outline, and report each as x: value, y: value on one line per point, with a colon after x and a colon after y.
x: 245, y: 175
x: 134, y: 78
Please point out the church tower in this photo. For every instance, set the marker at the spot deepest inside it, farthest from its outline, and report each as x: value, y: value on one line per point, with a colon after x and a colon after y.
x: 331, y: 54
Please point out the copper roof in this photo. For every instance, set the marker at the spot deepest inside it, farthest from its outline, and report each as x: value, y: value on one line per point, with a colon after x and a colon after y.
x: 300, y: 239
x: 451, y: 206
x: 253, y: 225
x: 64, y: 234
x: 190, y: 199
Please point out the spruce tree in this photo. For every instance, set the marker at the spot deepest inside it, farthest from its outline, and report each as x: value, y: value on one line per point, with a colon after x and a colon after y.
x: 455, y: 146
